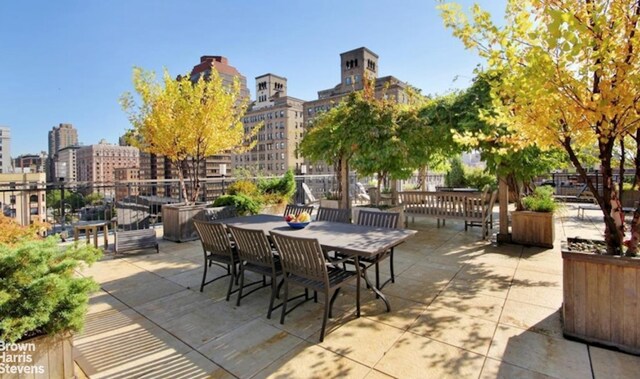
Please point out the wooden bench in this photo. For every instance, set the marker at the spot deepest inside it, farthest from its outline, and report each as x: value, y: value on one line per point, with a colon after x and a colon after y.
x: 474, y: 208
x: 135, y: 240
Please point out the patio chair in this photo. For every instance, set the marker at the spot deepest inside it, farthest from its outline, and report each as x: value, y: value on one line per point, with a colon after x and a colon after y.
x: 304, y: 264
x: 380, y: 220
x: 333, y: 215
x: 295, y: 210
x: 218, y: 250
x: 256, y: 255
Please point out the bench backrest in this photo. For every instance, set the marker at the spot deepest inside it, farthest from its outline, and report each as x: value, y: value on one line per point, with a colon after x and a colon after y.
x: 443, y: 203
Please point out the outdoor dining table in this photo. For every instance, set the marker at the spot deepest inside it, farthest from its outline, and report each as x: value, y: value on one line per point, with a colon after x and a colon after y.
x: 350, y: 239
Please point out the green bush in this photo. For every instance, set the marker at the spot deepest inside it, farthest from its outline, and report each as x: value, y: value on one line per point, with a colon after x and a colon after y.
x: 39, y: 291
x: 243, y: 203
x: 541, y: 200
x: 278, y: 190
x: 456, y: 175
x: 243, y: 187
x: 479, y: 178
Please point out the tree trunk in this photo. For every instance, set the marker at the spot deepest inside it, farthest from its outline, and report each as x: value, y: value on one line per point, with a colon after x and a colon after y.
x: 344, y: 171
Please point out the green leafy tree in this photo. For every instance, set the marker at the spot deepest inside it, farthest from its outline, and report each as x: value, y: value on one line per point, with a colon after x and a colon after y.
x: 569, y: 78
x: 186, y: 121
x: 456, y: 175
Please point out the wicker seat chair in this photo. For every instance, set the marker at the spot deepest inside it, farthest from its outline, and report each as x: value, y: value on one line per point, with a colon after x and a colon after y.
x: 295, y: 210
x: 304, y: 264
x: 256, y: 255
x: 333, y: 215
x: 218, y: 250
x: 381, y: 220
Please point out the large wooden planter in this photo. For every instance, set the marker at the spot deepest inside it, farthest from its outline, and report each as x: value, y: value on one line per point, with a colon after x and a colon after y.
x: 274, y: 209
x: 335, y: 204
x: 532, y: 228
x: 177, y: 221
x: 51, y: 357
x: 602, y: 299
x: 398, y: 209
x: 630, y: 198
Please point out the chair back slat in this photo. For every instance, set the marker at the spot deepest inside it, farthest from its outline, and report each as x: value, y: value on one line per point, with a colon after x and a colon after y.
x: 295, y: 210
x: 253, y: 246
x: 378, y: 219
x: 333, y: 215
x: 214, y: 237
x: 302, y: 257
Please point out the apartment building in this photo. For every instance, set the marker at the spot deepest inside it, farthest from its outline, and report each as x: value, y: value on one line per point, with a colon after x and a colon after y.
x: 23, y: 197
x: 127, y: 182
x: 280, y: 118
x: 66, y: 164
x: 5, y: 149
x: 27, y: 163
x: 356, y: 67
x: 59, y: 137
x: 97, y: 163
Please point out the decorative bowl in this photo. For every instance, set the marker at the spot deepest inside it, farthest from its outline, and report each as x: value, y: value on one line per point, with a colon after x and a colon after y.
x: 297, y: 225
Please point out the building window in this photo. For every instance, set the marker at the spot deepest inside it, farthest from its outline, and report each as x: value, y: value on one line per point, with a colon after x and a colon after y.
x: 348, y: 80
x: 356, y: 78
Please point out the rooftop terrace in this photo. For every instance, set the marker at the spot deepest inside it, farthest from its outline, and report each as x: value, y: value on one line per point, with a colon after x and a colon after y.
x: 461, y: 307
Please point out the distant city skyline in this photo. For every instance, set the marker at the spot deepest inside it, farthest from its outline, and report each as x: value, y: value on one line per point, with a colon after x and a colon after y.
x: 70, y: 61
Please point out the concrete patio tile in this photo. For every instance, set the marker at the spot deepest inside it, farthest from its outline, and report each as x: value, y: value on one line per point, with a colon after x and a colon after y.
x: 612, y: 364
x: 487, y: 272
x: 372, y: 339
x: 110, y: 270
x: 250, y: 348
x: 537, y: 279
x: 163, y: 264
x: 500, y: 258
x: 188, y: 279
x: 494, y: 369
x: 417, y: 291
x: 550, y: 297
x: 130, y: 281
x: 536, y: 352
x: 403, y: 312
x: 313, y: 362
x: 471, y: 304
x: 140, y: 293
x: 532, y: 318
x: 117, y: 342
x: 469, y: 333
x: 414, y: 356
x: 303, y: 322
x: 101, y: 301
x: 375, y: 374
x: 175, y: 305
x: 426, y: 274
x: 212, y: 321
x: 467, y: 287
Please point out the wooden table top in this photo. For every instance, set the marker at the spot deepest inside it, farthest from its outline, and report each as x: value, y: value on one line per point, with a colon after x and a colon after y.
x: 347, y: 238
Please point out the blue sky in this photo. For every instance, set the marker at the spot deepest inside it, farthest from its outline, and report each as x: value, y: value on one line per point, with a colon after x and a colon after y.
x: 68, y: 61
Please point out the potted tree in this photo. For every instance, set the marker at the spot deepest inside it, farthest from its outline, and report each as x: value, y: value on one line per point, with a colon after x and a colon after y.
x: 534, y: 224
x: 42, y: 301
x: 569, y: 79
x: 185, y: 121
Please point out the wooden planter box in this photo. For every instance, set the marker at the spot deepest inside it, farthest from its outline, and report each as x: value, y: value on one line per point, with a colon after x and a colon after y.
x: 51, y: 357
x: 177, y: 221
x: 630, y: 198
x: 533, y: 228
x: 335, y: 204
x: 273, y: 209
x: 399, y: 209
x: 601, y: 299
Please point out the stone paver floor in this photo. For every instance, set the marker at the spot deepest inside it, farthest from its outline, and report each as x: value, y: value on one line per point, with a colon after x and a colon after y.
x: 462, y: 308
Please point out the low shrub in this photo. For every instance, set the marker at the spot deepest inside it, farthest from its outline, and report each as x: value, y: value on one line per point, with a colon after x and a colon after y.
x: 243, y: 187
x: 278, y: 190
x: 541, y: 200
x: 479, y: 178
x: 39, y: 290
x: 244, y: 204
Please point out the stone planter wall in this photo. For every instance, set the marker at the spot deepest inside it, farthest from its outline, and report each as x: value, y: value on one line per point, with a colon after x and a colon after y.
x: 51, y: 357
x: 177, y: 221
x: 630, y: 198
x: 274, y: 209
x: 533, y: 228
x: 602, y: 299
